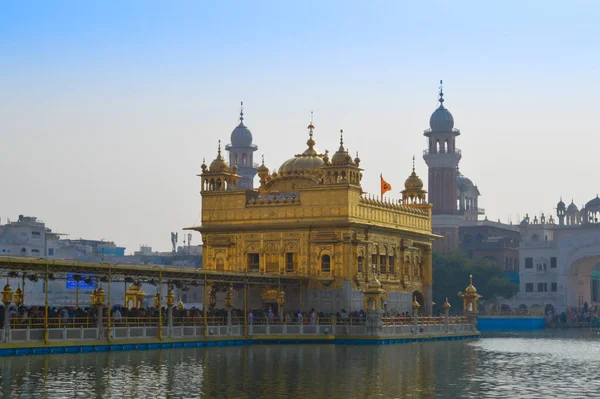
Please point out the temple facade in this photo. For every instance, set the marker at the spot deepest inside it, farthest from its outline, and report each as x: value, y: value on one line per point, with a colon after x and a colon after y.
x: 310, y: 218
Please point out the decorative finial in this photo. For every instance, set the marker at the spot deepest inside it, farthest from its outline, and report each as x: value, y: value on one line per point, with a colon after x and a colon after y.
x: 441, y: 93
x: 263, y: 159
x: 311, y: 127
x: 242, y: 111
x: 342, y: 137
x: 471, y: 279
x: 219, y: 150
x: 413, y: 163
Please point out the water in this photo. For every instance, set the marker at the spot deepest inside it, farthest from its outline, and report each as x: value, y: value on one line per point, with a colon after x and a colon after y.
x: 546, y: 364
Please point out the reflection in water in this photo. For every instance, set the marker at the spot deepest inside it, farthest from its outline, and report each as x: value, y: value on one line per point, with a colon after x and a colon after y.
x: 547, y: 366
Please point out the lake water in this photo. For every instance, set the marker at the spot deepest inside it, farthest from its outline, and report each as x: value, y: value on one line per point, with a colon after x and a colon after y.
x: 548, y: 364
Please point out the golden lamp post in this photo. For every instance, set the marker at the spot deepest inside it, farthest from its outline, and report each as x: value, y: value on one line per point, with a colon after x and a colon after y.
x: 170, y: 300
x: 7, y: 298
x: 97, y: 300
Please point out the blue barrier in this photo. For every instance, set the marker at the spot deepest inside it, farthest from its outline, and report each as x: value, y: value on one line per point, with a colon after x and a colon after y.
x: 508, y: 323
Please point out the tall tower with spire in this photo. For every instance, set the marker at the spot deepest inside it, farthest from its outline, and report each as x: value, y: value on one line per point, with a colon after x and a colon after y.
x: 442, y: 158
x: 241, y: 153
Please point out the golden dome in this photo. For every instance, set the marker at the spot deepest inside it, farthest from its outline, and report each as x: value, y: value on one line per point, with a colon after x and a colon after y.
x: 262, y: 168
x: 413, y: 182
x: 471, y: 289
x: 219, y: 164
x: 374, y: 284
x: 340, y: 155
x: 133, y: 287
x: 309, y: 160
x: 357, y: 159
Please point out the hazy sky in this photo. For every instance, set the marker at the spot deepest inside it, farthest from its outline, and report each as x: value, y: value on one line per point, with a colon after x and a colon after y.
x: 106, y: 109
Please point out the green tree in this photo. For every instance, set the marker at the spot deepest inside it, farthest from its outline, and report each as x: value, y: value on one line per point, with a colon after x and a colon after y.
x: 451, y: 272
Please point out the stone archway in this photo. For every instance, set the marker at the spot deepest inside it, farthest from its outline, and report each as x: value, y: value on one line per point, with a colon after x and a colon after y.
x: 583, y: 275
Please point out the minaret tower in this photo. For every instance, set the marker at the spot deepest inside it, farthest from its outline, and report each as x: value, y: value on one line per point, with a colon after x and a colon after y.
x: 442, y: 158
x: 241, y: 151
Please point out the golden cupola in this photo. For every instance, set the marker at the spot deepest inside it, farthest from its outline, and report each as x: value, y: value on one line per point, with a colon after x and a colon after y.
x: 341, y: 169
x: 219, y: 164
x: 263, y: 172
x: 218, y: 176
x: 470, y: 297
x: 471, y: 288
x: 341, y: 157
x: 413, y: 192
x: 307, y: 162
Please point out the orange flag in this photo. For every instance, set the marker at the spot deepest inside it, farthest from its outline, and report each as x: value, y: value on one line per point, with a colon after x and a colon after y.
x: 385, y: 186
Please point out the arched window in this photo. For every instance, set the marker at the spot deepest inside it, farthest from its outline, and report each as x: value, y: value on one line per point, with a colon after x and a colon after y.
x: 360, y: 264
x: 326, y: 264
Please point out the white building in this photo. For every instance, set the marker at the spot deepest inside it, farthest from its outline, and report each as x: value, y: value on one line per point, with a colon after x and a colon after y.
x: 560, y: 262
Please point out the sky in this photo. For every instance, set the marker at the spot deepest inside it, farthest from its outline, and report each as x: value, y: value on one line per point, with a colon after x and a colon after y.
x: 108, y: 108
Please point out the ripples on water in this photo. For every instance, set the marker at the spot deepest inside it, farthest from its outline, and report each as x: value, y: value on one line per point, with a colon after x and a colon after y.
x: 549, y: 365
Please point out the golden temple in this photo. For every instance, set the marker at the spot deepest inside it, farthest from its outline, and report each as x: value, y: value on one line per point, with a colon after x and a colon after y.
x: 310, y: 218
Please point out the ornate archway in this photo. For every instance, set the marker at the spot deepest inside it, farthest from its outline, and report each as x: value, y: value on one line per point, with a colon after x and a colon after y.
x: 583, y: 278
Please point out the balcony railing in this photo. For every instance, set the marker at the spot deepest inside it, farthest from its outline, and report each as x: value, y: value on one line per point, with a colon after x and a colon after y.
x: 538, y: 244
x: 456, y: 151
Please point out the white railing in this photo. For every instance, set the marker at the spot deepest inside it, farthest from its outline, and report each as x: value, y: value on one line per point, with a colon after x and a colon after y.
x: 124, y: 334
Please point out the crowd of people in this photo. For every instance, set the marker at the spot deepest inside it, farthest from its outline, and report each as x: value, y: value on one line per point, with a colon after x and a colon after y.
x: 70, y: 316
x: 585, y: 316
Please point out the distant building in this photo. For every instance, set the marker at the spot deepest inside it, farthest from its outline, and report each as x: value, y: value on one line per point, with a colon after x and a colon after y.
x: 560, y: 262
x: 496, y: 241
x: 28, y: 236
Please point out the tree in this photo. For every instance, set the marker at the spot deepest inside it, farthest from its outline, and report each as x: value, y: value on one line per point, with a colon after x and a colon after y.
x: 451, y: 272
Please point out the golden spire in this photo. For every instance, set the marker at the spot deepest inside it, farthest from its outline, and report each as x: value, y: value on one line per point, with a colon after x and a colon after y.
x: 219, y: 150
x: 311, y: 127
x: 310, y: 143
